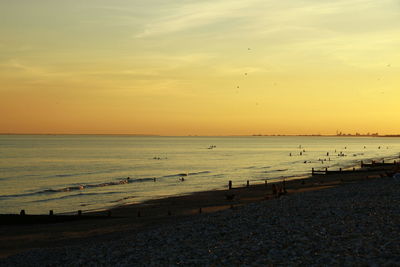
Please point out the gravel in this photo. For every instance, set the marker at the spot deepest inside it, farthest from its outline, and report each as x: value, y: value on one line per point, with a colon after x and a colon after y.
x: 354, y: 224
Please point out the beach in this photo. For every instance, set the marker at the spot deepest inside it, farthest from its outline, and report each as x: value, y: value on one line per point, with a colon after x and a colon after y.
x: 199, y: 133
x: 349, y: 218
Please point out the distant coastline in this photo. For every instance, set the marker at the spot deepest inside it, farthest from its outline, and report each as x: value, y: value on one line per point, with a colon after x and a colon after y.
x: 335, y: 135
x: 255, y: 135
x: 80, y: 134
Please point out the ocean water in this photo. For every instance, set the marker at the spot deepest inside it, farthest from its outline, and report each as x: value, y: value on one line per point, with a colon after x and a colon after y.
x: 72, y: 172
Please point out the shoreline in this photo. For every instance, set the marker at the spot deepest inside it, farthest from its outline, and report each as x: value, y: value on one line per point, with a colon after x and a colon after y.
x: 243, y: 184
x: 255, y: 182
x: 134, y: 218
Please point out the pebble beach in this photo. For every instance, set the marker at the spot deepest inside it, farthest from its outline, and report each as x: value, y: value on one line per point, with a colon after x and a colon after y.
x: 352, y: 224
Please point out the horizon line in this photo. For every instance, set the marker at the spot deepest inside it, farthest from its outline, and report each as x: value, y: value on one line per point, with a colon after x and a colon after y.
x: 195, y: 135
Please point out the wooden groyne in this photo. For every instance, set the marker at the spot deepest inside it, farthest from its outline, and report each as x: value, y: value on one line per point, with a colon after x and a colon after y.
x: 379, y: 164
x: 365, y: 167
x: 23, y: 218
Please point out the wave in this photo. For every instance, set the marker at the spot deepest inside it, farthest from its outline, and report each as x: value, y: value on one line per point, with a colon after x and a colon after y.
x: 80, y: 173
x: 19, y: 195
x: 250, y: 167
x: 78, y: 187
x: 277, y: 170
x: 287, y: 177
x: 257, y: 167
x: 139, y: 180
x: 185, y: 174
x: 73, y: 196
x: 122, y: 199
x: 83, y: 186
x: 68, y: 175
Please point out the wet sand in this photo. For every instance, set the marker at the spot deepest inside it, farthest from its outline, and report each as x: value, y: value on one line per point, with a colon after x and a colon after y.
x: 131, y: 219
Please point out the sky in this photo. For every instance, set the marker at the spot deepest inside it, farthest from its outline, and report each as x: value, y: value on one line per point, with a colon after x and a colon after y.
x: 210, y: 67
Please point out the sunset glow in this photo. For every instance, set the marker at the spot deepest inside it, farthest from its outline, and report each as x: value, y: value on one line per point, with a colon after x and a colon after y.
x: 199, y: 67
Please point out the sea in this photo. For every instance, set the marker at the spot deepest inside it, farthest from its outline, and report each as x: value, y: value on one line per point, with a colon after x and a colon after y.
x: 66, y: 173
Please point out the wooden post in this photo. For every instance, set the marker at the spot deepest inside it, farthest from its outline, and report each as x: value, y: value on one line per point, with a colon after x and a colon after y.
x: 340, y: 169
x: 50, y: 212
x: 266, y: 183
x: 326, y: 170
x: 354, y: 169
x: 362, y: 164
x: 274, y: 190
x: 312, y: 171
x: 383, y: 161
x: 79, y: 212
x: 248, y: 183
x: 22, y: 213
x: 230, y: 185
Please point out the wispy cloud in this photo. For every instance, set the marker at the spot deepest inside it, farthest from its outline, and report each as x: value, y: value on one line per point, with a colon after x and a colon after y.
x: 17, y: 65
x: 151, y: 71
x: 260, y: 16
x: 195, y: 15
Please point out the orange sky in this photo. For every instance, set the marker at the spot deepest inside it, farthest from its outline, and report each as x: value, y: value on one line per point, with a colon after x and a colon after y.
x: 199, y: 68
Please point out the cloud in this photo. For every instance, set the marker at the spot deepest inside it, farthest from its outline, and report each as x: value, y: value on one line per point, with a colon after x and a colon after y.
x: 16, y: 64
x: 194, y: 15
x: 260, y: 16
